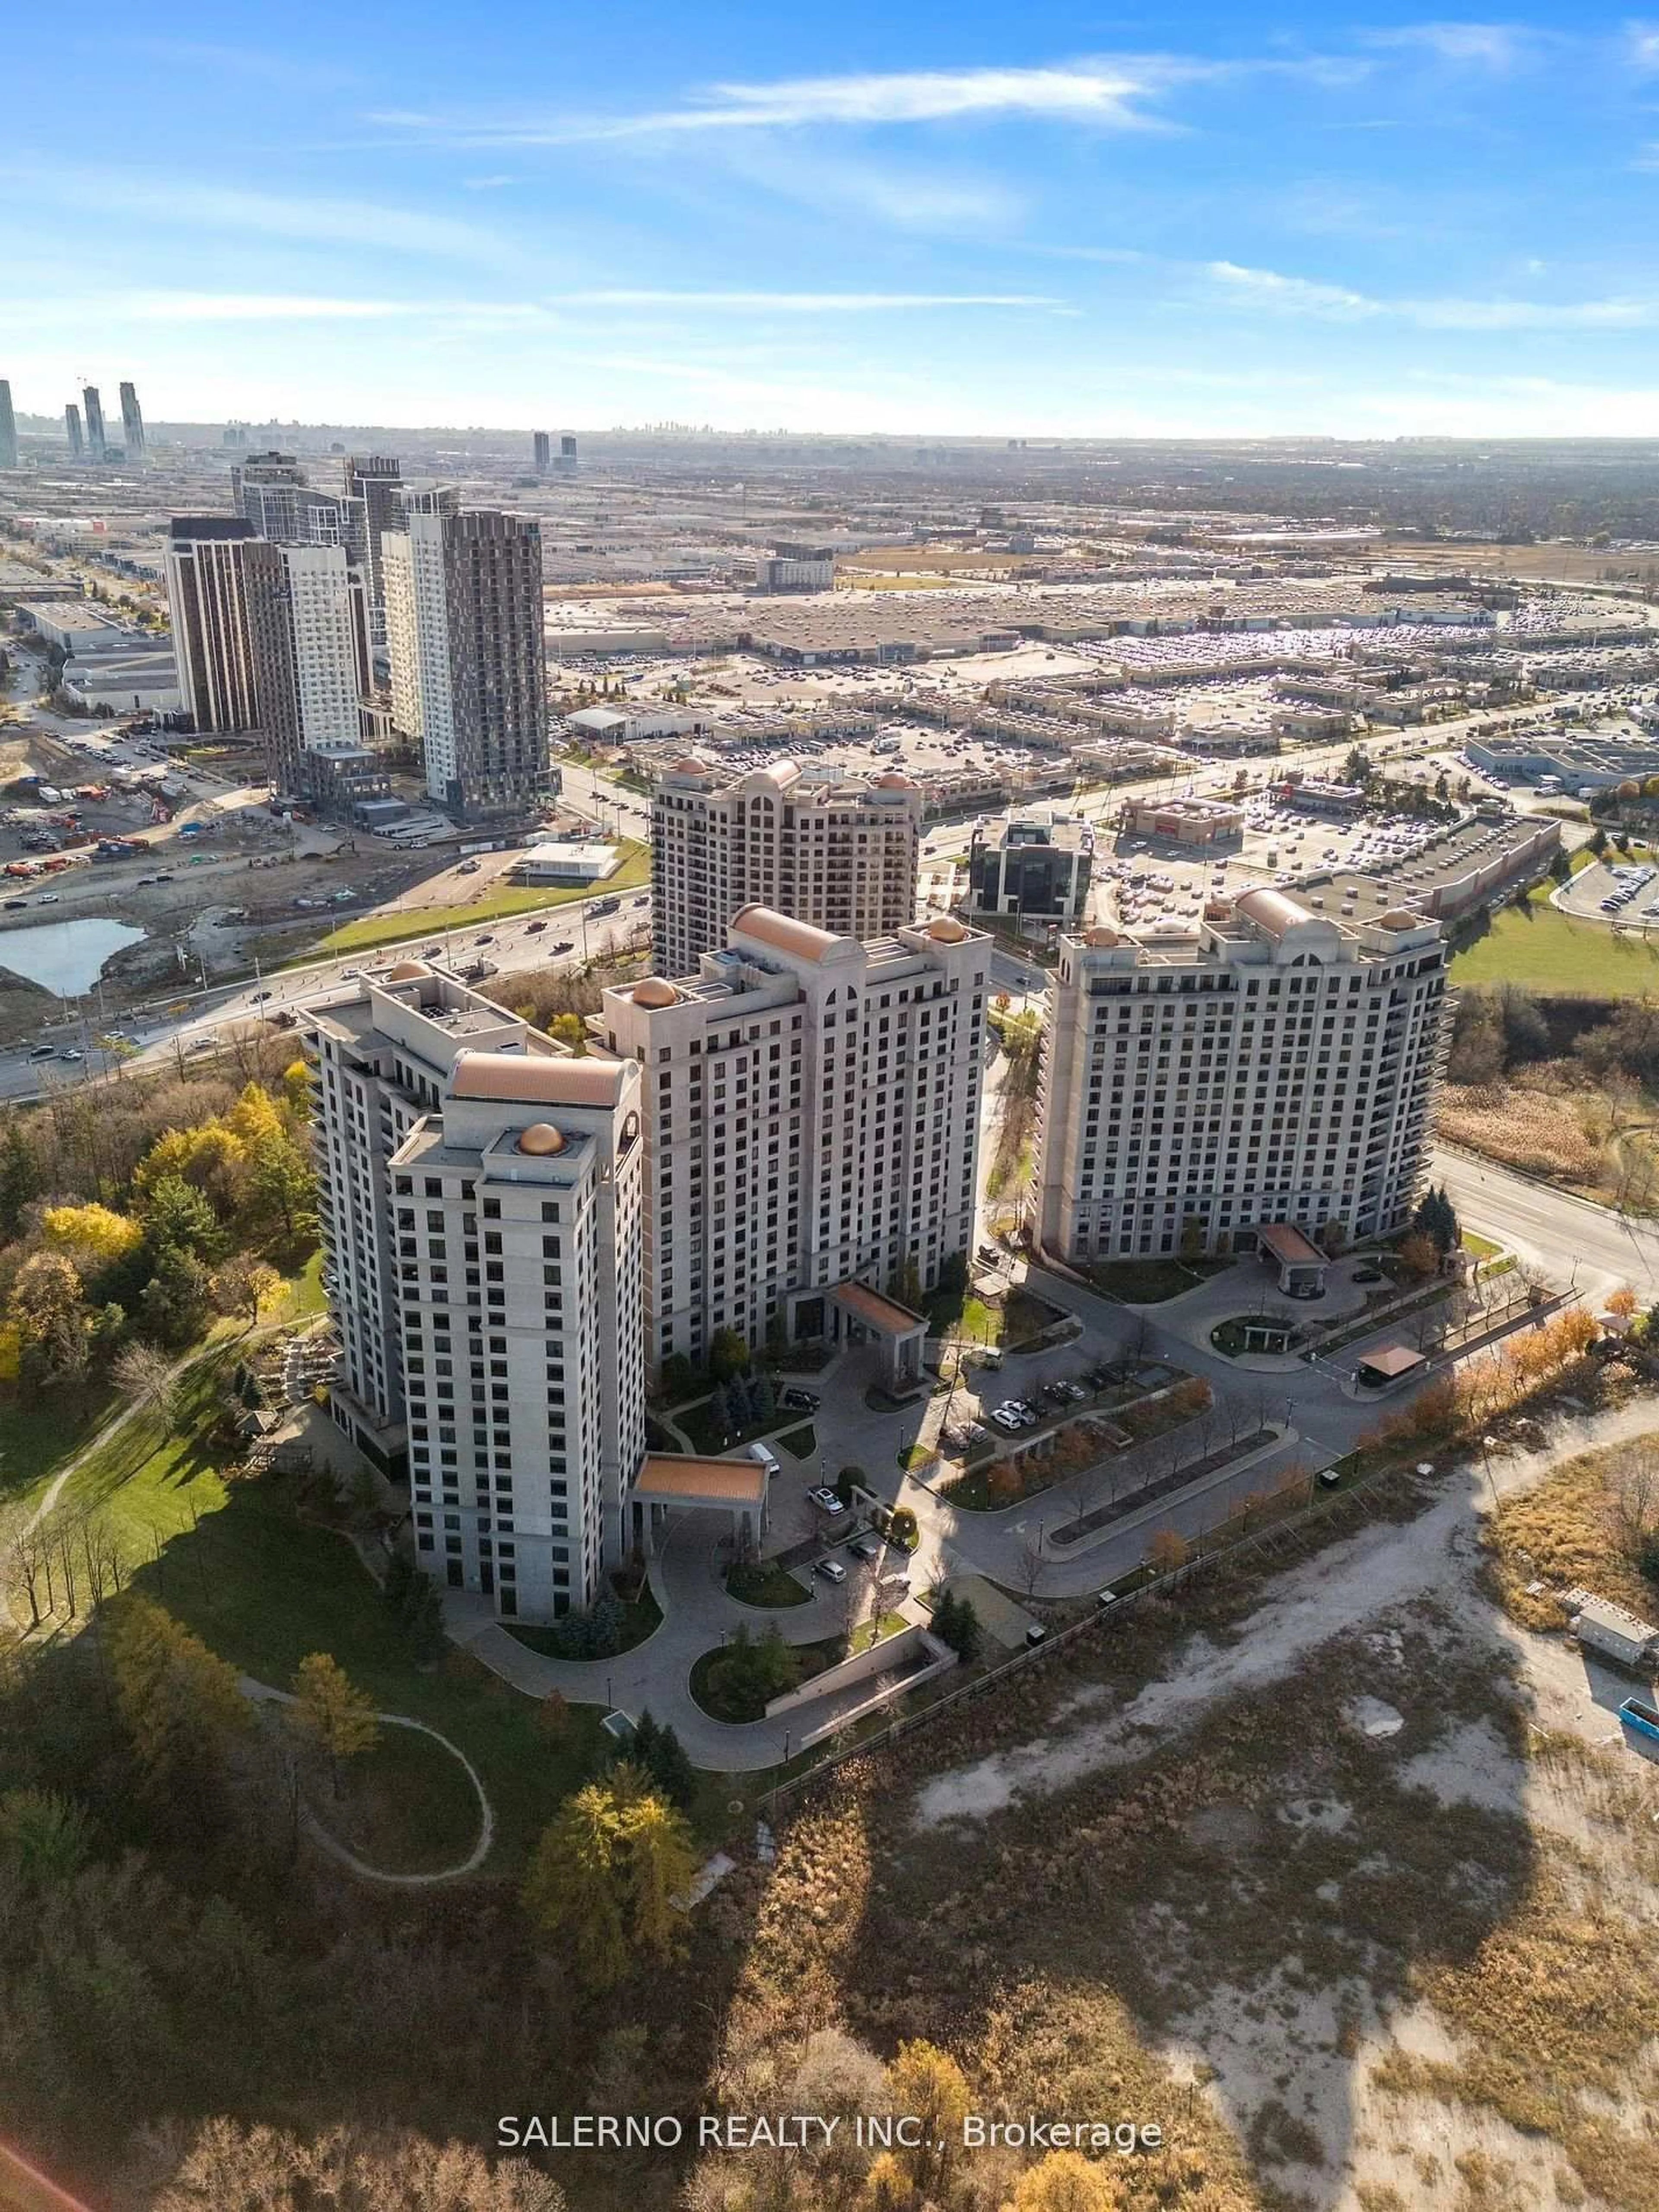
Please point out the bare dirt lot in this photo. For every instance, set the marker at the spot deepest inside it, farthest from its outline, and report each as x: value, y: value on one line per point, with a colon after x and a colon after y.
x: 1347, y: 1880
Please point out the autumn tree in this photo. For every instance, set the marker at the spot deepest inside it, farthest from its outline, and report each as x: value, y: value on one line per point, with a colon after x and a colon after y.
x: 331, y: 1714
x: 354, y: 2167
x: 179, y: 1703
x: 927, y: 2083
x: 243, y: 1285
x: 93, y: 1237
x: 50, y: 1317
x: 1168, y: 1551
x: 1419, y: 1255
x: 605, y: 1873
x: 1065, y: 2181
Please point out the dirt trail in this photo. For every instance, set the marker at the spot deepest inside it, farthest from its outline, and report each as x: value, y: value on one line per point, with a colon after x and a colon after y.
x: 1379, y: 1567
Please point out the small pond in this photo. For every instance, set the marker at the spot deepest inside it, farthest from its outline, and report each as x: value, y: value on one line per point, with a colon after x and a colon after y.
x: 65, y: 956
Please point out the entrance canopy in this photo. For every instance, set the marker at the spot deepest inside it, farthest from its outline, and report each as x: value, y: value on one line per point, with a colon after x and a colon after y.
x: 668, y: 1480
x: 1300, y: 1264
x: 902, y: 1332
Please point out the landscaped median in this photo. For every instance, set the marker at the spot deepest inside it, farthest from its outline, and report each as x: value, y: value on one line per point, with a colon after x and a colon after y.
x: 1073, y: 1450
x: 403, y: 924
x: 764, y: 1582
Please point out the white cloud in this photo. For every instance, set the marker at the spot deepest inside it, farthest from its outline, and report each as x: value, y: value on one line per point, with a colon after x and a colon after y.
x: 1266, y: 288
x: 803, y: 303
x: 199, y: 204
x: 904, y: 197
x: 1296, y: 294
x: 1497, y: 47
x: 1106, y: 93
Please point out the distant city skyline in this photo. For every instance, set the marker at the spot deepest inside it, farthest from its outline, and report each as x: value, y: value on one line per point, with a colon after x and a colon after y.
x: 1187, y: 225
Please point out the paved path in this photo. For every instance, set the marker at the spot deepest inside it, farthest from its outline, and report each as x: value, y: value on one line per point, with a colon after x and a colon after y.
x: 263, y: 1693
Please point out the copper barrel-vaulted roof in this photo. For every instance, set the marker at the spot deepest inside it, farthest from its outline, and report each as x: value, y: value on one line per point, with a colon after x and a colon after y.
x: 1393, y: 1361
x: 785, y: 934
x: 1271, y: 911
x: 885, y: 1315
x: 539, y: 1078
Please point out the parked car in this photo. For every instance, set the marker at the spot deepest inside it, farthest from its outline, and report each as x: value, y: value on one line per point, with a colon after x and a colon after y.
x: 42, y: 1052
x: 989, y: 1253
x: 868, y: 1547
x: 825, y: 1499
x: 1368, y: 1274
x: 1006, y: 1420
x: 831, y: 1570
x: 799, y: 1401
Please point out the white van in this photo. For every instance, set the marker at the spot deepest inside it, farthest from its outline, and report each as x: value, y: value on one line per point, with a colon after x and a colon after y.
x: 763, y: 1456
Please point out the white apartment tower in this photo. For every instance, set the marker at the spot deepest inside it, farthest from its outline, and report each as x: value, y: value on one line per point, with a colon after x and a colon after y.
x: 480, y: 1193
x: 308, y: 622
x: 1276, y: 1065
x: 838, y: 852
x: 812, y: 1119
x: 417, y: 640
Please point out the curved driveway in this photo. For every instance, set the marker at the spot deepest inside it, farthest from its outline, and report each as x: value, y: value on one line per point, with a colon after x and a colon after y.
x: 655, y: 1676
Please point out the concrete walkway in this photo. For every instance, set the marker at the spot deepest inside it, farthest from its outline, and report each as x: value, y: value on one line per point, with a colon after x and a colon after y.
x: 263, y: 1693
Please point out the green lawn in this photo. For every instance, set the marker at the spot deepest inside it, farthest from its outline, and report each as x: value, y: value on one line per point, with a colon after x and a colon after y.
x: 1551, y: 953
x: 407, y: 1806
x: 40, y: 1429
x: 914, y: 1456
x: 403, y: 924
x: 263, y: 1589
x: 801, y: 1443
x: 1482, y: 1247
x: 764, y: 1582
x: 1146, y: 1282
x: 874, y: 1632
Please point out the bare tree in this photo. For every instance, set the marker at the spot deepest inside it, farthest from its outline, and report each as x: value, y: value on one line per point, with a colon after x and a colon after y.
x: 1029, y: 1562
x: 144, y: 1374
x: 1636, y: 1493
x: 24, y: 1566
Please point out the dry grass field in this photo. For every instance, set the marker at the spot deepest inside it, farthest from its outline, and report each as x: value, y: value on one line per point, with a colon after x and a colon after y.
x: 1336, y: 1881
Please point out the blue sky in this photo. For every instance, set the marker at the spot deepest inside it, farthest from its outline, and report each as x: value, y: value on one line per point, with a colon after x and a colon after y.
x: 1047, y: 221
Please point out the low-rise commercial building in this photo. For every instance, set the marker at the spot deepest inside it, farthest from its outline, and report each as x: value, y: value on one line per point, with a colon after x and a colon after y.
x: 1034, y: 863
x: 1186, y: 821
